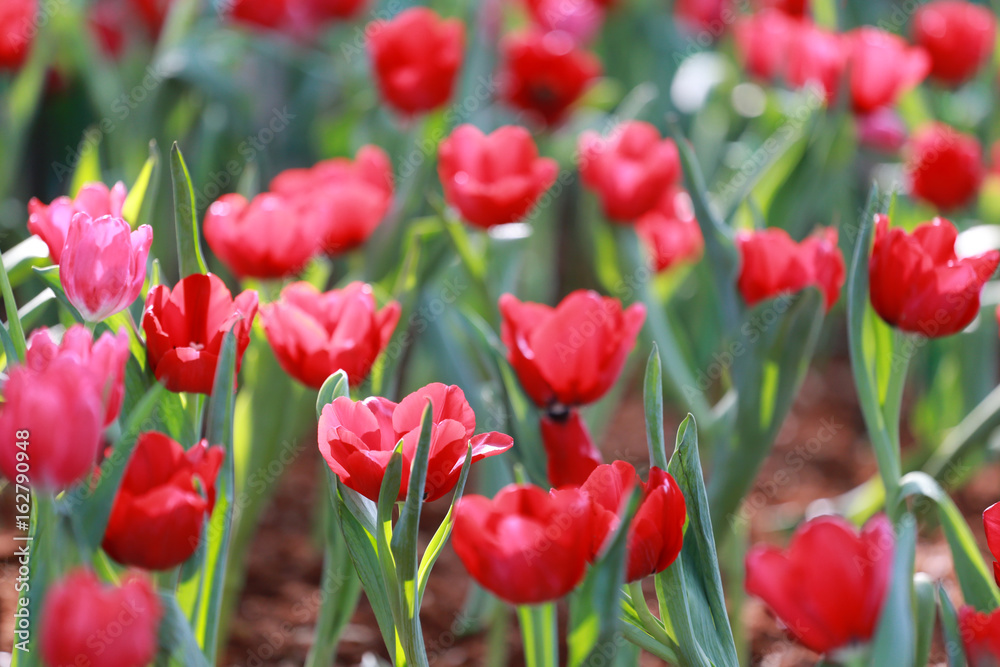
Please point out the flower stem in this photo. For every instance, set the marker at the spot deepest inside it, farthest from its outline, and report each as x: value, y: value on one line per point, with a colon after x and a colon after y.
x: 538, y: 631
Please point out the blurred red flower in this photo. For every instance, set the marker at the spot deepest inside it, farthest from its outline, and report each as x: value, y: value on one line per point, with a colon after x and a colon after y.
x: 161, y: 505
x: 959, y: 36
x: 315, y: 334
x: 656, y: 533
x: 525, y: 545
x: 980, y: 634
x: 493, y: 179
x: 670, y: 231
x: 331, y: 10
x: 580, y: 18
x: 351, y: 198
x: 416, y: 57
x: 271, y: 236
x: 991, y: 521
x: 78, y: 611
x: 828, y: 586
x: 918, y: 284
x: 153, y: 13
x: 357, y: 438
x: 944, y: 167
x: 272, y: 14
x: 545, y: 73
x: 569, y: 449
x: 103, y: 264
x: 628, y: 170
x: 772, y: 264
x: 19, y: 23
x: 570, y: 354
x: 185, y: 328
x: 51, y: 222
x: 882, y: 67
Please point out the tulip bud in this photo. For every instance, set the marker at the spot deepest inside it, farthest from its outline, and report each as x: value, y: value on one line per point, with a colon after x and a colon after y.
x: 313, y: 334
x: 991, y: 521
x: 944, y: 167
x: 829, y: 585
x: 416, y: 57
x: 670, y: 231
x: 526, y: 546
x: 18, y: 26
x: 52, y: 222
x: 493, y: 179
x: 84, y: 622
x: 959, y: 36
x: 882, y: 67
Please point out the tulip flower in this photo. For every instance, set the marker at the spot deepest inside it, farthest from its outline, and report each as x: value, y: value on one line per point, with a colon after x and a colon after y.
x: 580, y: 18
x: 882, y: 130
x: 704, y: 16
x: 185, y: 328
x: 944, y: 167
x: 670, y: 231
x: 525, y: 546
x: 153, y: 13
x: 991, y: 521
x: 796, y: 8
x: 314, y: 334
x: 416, y: 57
x: 57, y: 404
x: 106, y: 359
x: 545, y: 73
x: 356, y: 195
x: 828, y: 586
x: 628, y: 170
x: 493, y: 179
x: 882, y: 67
x: 18, y: 25
x: 103, y: 265
x: 772, y: 264
x: 762, y: 42
x: 918, y: 284
x: 271, y: 236
x: 980, y: 634
x: 569, y: 449
x: 816, y: 57
x: 959, y: 36
x: 357, y: 439
x: 334, y: 10
x: 656, y: 533
x: 52, y: 222
x: 272, y: 14
x: 571, y: 354
x: 162, y: 503
x: 84, y: 622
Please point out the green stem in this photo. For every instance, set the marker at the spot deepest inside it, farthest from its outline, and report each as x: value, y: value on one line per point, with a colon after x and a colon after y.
x: 649, y: 623
x: 638, y: 637
x: 973, y: 430
x: 13, y: 320
x: 538, y: 631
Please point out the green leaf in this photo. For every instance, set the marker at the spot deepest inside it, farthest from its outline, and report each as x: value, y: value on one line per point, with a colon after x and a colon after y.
x: 653, y: 401
x: 88, y: 165
x: 13, y: 320
x: 953, y: 644
x: 895, y: 636
x: 974, y: 578
x: 336, y: 386
x: 50, y: 276
x: 141, y: 198
x: 19, y: 260
x: 175, y: 635
x: 189, y: 254
x: 383, y: 537
x: 926, y: 606
x: 443, y: 532
x: 690, y: 590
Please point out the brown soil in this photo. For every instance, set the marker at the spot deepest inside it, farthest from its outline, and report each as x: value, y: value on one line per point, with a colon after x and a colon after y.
x: 277, y: 612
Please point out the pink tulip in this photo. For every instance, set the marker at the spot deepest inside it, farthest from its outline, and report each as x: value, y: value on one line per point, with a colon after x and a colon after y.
x: 51, y: 222
x: 103, y: 264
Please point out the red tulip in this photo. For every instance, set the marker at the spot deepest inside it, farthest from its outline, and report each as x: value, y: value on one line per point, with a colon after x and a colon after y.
x: 545, y: 73
x: 106, y: 359
x: 944, y: 167
x: 315, y: 334
x: 628, y: 170
x: 103, y: 265
x: 709, y: 17
x: 571, y: 354
x: 416, y: 57
x: 882, y: 130
x: 153, y: 13
x: 762, y: 42
x: 164, y: 498
x: 357, y: 439
x: 580, y: 18
x: 959, y: 36
x: 980, y: 634
x: 882, y: 67
x: 657, y: 530
x: 19, y: 22
x: 772, y: 264
x: 496, y: 178
x: 271, y: 14
x: 51, y: 222
x: 108, y: 22
x: 991, y: 521
x: 354, y: 195
x: 330, y: 10
x: 185, y: 328
x: 56, y: 406
x: 670, y: 231
x: 816, y: 56
x: 829, y: 585
x: 85, y: 622
x: 918, y: 284
x: 526, y: 546
x: 271, y: 236
x: 797, y: 8
x: 569, y: 449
